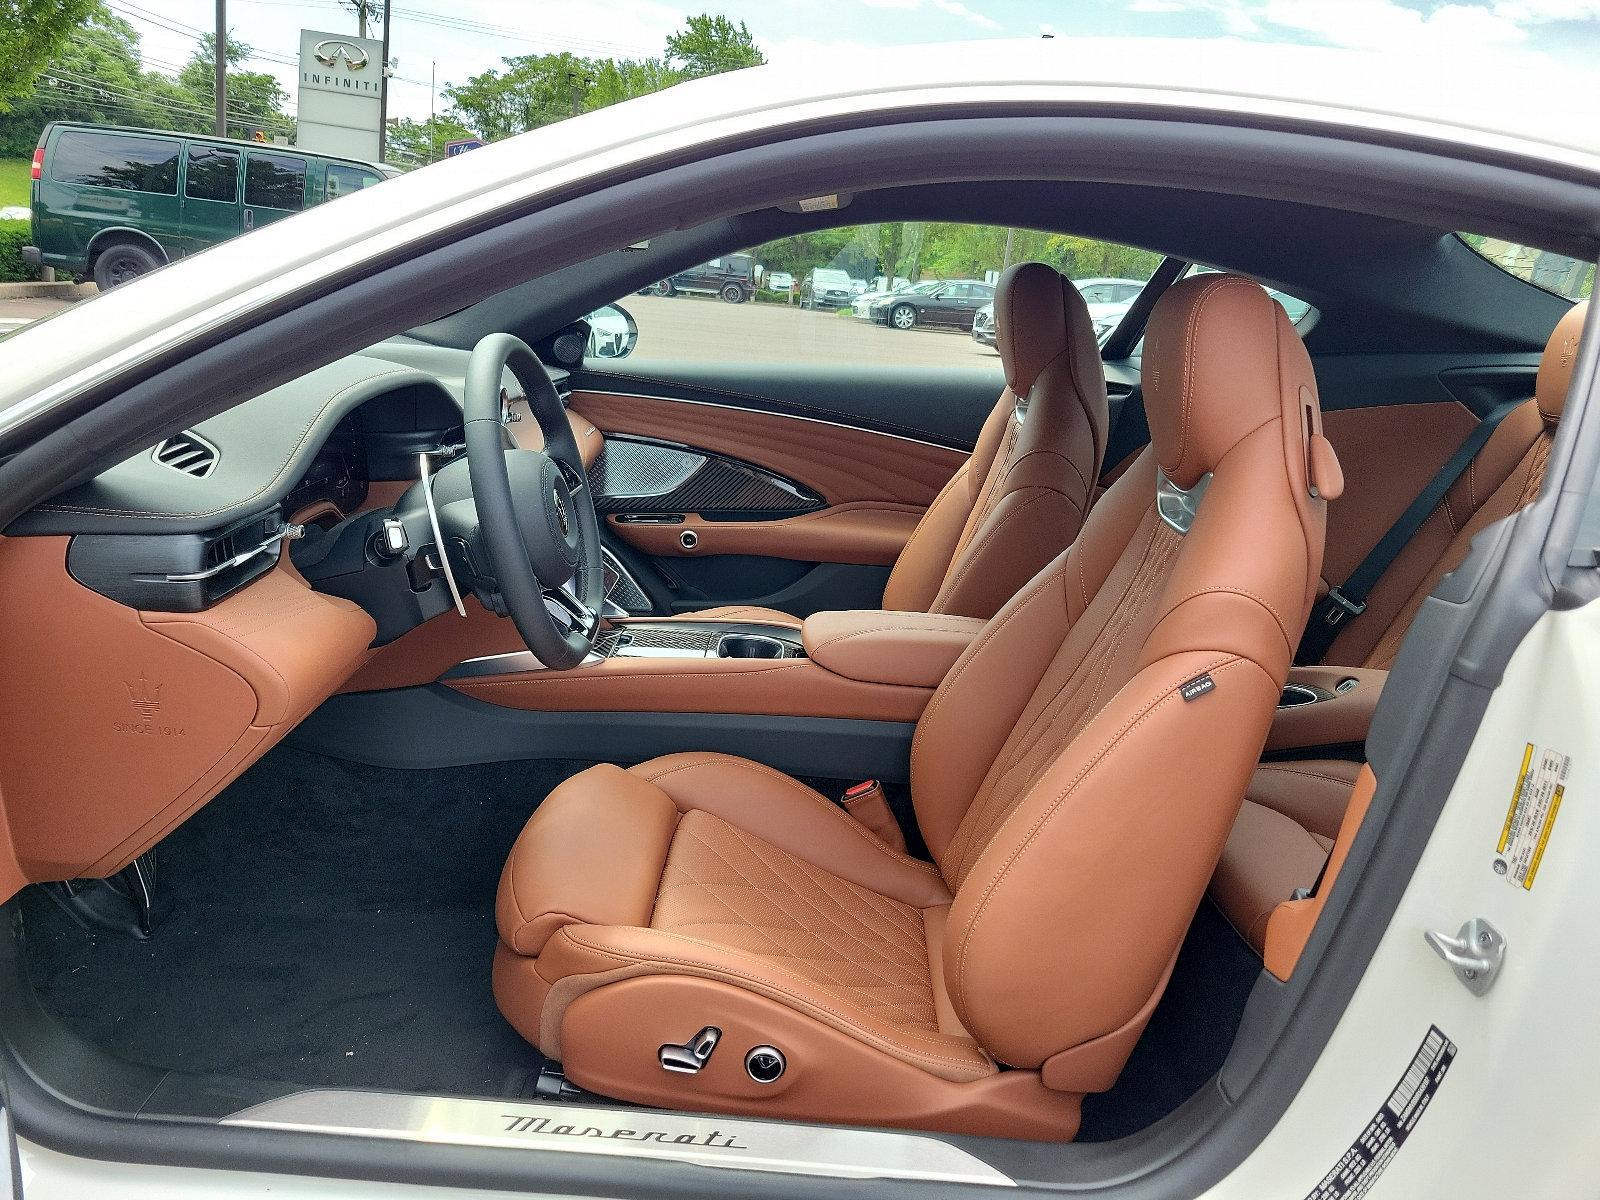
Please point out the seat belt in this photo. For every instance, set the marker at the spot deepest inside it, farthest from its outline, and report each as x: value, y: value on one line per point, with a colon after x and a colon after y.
x: 1349, y: 600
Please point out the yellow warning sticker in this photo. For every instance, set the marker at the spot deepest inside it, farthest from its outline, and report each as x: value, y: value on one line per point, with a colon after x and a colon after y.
x: 1535, y: 801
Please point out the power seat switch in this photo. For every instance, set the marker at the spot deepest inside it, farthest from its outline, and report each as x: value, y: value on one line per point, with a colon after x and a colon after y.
x: 688, y: 1058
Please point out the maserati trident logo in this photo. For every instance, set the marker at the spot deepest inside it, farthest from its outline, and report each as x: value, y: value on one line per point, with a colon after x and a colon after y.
x: 330, y: 52
x: 561, y: 513
x: 144, y: 695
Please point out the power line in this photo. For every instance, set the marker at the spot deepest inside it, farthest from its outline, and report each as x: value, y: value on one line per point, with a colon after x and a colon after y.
x: 168, y: 103
x: 137, y: 106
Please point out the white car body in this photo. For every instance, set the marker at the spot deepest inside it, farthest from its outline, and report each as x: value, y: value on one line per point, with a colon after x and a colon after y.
x: 1530, y: 1047
x: 778, y: 281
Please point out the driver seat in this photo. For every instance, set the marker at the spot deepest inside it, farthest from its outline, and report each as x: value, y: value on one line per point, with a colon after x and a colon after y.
x: 702, y: 932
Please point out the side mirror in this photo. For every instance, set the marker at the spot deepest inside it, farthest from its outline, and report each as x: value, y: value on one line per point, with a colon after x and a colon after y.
x: 613, y: 333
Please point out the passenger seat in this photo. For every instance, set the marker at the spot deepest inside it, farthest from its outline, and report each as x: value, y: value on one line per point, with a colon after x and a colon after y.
x: 1020, y: 500
x: 1293, y: 809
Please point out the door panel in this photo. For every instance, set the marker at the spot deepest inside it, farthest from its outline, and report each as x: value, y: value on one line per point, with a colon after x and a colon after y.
x: 786, y: 510
x: 838, y: 462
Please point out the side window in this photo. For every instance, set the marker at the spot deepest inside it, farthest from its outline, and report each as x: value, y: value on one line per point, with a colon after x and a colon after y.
x: 1559, y: 273
x: 213, y: 174
x: 343, y: 179
x: 275, y: 181
x: 1300, y: 312
x: 115, y: 160
x: 863, y: 296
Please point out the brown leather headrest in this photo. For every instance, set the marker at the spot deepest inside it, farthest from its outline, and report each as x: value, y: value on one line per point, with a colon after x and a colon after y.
x: 1038, y: 316
x: 1555, y: 368
x: 1221, y: 359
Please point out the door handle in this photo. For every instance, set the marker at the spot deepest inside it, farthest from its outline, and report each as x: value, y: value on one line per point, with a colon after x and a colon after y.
x: 249, y: 218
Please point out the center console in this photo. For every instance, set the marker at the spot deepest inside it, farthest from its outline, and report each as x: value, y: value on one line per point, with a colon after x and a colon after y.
x: 1325, y: 706
x: 860, y: 665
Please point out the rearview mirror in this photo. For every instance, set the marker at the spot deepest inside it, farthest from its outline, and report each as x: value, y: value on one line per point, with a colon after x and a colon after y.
x: 613, y: 333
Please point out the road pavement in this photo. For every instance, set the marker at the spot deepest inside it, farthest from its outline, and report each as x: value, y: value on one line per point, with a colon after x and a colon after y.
x: 692, y: 329
x: 705, y: 329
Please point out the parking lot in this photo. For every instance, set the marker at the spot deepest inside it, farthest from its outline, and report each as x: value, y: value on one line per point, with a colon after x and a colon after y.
x: 705, y: 329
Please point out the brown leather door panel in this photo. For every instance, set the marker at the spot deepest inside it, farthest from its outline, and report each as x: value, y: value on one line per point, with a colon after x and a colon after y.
x: 875, y: 485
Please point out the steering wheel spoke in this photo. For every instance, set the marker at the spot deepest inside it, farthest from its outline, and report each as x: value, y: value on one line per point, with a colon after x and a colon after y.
x: 535, y: 511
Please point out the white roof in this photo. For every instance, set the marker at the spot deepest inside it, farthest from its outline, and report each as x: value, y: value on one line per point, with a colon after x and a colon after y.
x: 1545, y: 114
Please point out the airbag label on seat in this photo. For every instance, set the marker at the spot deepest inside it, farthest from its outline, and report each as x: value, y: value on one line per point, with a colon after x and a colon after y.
x: 1535, y: 801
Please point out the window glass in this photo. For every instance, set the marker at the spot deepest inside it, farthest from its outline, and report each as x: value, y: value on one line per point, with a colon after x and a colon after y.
x: 275, y: 181
x: 1299, y: 311
x: 343, y: 180
x: 1558, y: 273
x: 213, y: 174
x: 134, y: 164
x: 904, y: 293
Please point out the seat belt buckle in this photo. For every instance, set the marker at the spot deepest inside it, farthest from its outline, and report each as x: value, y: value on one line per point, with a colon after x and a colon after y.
x: 867, y: 803
x: 1340, y: 608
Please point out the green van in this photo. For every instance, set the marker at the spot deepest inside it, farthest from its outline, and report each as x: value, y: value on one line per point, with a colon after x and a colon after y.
x: 113, y: 203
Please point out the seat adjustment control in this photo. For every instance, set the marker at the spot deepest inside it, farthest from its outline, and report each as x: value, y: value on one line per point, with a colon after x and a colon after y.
x: 688, y: 1058
x: 765, y: 1064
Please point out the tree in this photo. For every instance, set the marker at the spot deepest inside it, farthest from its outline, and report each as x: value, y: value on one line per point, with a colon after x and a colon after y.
x: 417, y: 143
x: 32, y: 33
x: 708, y: 45
x: 619, y: 79
x: 95, y: 76
x: 533, y: 90
x: 255, y: 99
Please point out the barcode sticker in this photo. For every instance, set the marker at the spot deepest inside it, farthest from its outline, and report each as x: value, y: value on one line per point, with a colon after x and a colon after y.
x: 1531, y: 818
x: 1359, y: 1167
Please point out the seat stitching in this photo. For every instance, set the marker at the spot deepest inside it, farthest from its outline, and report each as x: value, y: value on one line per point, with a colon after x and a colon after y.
x: 719, y: 968
x: 1218, y: 664
x: 897, y: 920
x: 818, y: 801
x: 1285, y: 770
x: 1039, y: 589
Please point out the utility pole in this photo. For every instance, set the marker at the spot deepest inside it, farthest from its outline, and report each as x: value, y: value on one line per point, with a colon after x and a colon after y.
x: 383, y: 82
x: 220, y: 67
x: 1010, y: 237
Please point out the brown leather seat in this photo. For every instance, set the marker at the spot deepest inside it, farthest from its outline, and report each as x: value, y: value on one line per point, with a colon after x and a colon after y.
x: 1074, y: 777
x: 1293, y: 809
x: 1021, y: 498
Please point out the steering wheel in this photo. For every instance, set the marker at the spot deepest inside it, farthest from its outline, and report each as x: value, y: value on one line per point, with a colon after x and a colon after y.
x: 536, y: 519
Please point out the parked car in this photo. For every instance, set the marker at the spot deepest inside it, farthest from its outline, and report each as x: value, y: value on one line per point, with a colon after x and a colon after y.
x: 861, y: 306
x: 949, y: 304
x: 779, y: 281
x: 825, y: 287
x: 732, y: 277
x: 115, y: 203
x: 858, y: 287
x: 983, y: 331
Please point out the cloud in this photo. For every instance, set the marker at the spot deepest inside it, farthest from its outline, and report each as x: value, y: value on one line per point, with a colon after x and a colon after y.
x: 952, y: 8
x: 1382, y: 24
x: 956, y: 9
x: 1540, y: 12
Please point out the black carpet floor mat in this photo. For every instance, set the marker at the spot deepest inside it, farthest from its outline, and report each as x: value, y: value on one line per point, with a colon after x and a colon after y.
x: 330, y: 924
x: 319, y: 922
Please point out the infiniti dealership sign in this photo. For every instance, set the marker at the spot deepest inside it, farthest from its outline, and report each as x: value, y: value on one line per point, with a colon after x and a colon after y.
x: 341, y: 89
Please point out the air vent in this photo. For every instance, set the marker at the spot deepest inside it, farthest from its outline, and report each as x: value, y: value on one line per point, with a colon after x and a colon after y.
x: 187, y: 452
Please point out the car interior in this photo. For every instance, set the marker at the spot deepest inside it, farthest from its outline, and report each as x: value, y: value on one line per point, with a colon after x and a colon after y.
x: 953, y: 749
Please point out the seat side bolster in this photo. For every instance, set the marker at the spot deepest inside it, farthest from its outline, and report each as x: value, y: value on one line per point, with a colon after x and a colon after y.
x: 582, y: 958
x: 794, y: 818
x: 1154, y: 771
x: 592, y: 854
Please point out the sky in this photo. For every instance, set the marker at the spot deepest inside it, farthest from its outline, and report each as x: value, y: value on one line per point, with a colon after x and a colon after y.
x: 449, y: 40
